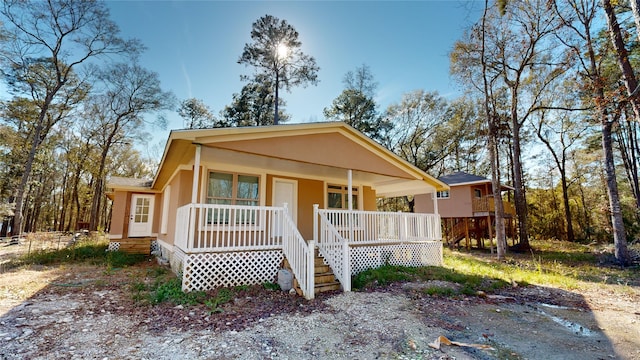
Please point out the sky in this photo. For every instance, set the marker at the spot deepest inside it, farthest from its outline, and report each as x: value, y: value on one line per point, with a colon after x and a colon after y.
x: 194, y: 46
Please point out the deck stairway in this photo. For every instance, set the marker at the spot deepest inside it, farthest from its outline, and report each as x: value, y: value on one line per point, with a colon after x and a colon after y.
x: 324, y: 279
x: 457, y: 234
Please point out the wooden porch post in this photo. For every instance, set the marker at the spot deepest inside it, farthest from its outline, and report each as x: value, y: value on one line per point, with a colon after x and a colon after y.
x: 350, y: 190
x: 194, y: 197
x: 346, y: 261
x: 315, y: 224
x: 490, y: 233
x: 196, y: 175
x: 435, y: 202
x: 466, y: 233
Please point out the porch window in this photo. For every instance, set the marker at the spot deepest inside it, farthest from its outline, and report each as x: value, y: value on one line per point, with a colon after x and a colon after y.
x: 443, y: 194
x: 232, y: 189
x: 338, y: 195
x: 477, y: 192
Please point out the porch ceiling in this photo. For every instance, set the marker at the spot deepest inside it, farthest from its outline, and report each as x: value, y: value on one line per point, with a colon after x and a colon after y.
x: 385, y: 185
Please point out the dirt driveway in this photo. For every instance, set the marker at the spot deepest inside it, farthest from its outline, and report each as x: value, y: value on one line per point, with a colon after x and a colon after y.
x: 86, y: 312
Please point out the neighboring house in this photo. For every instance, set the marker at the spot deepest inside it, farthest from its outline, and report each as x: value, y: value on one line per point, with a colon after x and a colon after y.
x: 261, y: 195
x: 467, y: 209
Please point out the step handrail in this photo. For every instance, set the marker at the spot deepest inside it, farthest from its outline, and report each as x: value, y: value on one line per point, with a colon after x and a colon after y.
x: 299, y: 254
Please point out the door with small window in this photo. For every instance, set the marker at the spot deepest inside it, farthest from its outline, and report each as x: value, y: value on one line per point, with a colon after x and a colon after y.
x: 141, y: 215
x: 285, y: 192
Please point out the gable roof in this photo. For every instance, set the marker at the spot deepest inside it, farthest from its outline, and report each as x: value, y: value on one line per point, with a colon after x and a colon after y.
x: 325, y: 149
x: 123, y: 182
x: 462, y: 178
x: 128, y: 184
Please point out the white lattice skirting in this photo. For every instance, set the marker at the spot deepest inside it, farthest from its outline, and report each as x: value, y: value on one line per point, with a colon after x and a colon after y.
x: 414, y: 255
x: 206, y: 271
x: 176, y: 259
x: 113, y: 246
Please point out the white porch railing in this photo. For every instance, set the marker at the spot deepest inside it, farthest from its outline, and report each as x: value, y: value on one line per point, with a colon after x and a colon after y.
x: 300, y: 255
x: 374, y: 227
x: 351, y: 241
x: 213, y: 227
x: 217, y: 235
x: 333, y: 247
x: 228, y: 245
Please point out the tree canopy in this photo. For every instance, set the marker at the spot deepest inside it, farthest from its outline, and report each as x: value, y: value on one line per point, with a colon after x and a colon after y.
x: 356, y: 105
x: 276, y: 55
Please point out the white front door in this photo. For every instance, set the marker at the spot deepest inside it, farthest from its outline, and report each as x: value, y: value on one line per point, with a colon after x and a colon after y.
x: 285, y: 191
x: 141, y: 215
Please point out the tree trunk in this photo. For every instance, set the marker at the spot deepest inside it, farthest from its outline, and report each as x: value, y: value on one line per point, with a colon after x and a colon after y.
x: 619, y: 235
x: 622, y: 55
x: 518, y: 181
x: 4, y: 229
x: 63, y: 214
x: 635, y: 157
x: 627, y: 144
x: 76, y: 201
x: 635, y: 9
x: 97, y: 191
x: 565, y: 200
x: 501, y: 240
x: 95, y: 204
x: 585, y: 214
x: 24, y: 180
x: 99, y: 184
x: 277, y: 99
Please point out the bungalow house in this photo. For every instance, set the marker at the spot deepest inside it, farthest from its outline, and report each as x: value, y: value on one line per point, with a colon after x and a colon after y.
x: 229, y: 206
x: 467, y: 209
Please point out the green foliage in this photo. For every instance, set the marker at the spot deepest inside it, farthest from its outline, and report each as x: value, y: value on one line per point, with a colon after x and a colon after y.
x: 46, y: 65
x: 254, y: 106
x: 469, y: 283
x: 95, y: 253
x: 271, y: 286
x: 83, y: 252
x: 171, y: 291
x: 119, y: 259
x: 562, y: 264
x: 222, y: 297
x: 196, y: 114
x: 431, y: 132
x: 356, y: 105
x: 383, y: 276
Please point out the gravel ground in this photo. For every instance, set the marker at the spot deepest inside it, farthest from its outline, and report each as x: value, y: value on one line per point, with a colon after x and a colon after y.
x: 86, y: 313
x: 348, y: 326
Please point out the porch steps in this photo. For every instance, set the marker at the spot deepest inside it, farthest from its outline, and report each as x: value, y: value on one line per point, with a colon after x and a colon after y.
x: 324, y: 278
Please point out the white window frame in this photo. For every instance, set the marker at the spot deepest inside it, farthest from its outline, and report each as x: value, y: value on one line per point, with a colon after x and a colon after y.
x: 344, y: 191
x: 231, y: 225
x: 444, y: 194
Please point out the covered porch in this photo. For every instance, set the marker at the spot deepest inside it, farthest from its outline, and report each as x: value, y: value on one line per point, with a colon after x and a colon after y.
x: 245, y: 199
x: 225, y: 245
